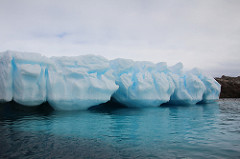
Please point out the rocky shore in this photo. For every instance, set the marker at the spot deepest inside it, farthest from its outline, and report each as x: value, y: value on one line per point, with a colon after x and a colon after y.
x: 230, y: 86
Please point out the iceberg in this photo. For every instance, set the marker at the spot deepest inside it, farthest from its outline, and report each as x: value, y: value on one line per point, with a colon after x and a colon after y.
x: 76, y: 83
x: 79, y: 82
x: 141, y: 83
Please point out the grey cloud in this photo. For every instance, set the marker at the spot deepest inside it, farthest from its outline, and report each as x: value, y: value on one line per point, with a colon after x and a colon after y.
x: 199, y: 33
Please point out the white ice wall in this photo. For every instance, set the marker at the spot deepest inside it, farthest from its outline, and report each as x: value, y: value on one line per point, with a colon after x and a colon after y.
x: 73, y: 83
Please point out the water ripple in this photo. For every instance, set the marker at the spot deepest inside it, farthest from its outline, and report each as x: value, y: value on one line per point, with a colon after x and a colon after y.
x: 200, y: 131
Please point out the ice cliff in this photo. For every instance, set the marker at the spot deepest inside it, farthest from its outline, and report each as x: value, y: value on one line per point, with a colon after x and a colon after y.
x: 73, y: 83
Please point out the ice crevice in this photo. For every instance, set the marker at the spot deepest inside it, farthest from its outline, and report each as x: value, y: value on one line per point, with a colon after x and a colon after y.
x: 75, y: 83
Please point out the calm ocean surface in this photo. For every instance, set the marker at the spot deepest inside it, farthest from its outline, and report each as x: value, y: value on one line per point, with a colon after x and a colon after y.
x: 197, y: 131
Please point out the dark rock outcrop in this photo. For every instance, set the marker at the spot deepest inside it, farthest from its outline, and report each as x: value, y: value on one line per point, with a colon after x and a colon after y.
x: 230, y: 86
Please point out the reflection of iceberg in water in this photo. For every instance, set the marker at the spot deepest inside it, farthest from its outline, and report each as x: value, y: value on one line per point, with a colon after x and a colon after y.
x: 125, y: 124
x: 165, y: 131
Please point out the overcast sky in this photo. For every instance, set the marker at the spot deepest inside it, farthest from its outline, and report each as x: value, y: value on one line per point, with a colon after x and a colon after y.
x: 198, y: 33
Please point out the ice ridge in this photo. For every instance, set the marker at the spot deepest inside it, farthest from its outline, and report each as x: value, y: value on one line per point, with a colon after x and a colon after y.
x: 75, y: 83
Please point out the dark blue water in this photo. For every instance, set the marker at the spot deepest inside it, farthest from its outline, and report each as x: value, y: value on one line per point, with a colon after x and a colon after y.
x: 197, y: 131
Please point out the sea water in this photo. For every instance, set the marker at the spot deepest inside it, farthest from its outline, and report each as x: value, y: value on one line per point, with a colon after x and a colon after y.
x: 195, y: 131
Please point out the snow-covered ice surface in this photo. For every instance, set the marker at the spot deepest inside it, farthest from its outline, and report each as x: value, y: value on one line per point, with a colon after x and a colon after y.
x: 75, y: 83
